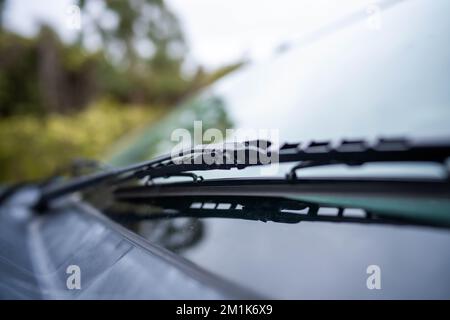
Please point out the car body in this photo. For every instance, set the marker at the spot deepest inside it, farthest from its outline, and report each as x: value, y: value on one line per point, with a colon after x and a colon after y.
x: 345, y: 81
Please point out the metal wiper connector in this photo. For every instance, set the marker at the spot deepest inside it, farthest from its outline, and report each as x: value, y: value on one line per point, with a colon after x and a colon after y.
x: 163, y: 166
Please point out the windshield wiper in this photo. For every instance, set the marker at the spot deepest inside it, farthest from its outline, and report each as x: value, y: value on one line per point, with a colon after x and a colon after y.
x: 348, y: 152
x: 141, y: 170
x: 418, y: 202
x: 267, y: 209
x: 310, y: 154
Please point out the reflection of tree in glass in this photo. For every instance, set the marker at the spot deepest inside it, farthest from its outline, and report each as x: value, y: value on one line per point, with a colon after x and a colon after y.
x: 155, y: 139
x: 173, y: 234
x: 176, y: 235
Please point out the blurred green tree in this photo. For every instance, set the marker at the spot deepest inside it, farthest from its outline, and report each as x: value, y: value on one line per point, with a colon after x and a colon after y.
x: 127, y: 26
x: 138, y: 60
x: 41, y: 75
x: 143, y: 39
x: 126, y: 81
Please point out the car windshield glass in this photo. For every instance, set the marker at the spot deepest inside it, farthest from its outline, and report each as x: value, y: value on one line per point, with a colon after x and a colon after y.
x: 351, y: 83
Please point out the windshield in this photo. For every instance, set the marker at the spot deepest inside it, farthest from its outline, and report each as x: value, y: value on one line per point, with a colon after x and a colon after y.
x: 353, y: 82
x: 306, y: 155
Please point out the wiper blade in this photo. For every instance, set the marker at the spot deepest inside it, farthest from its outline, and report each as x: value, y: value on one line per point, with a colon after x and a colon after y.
x: 140, y: 170
x: 416, y: 202
x: 349, y: 152
x: 268, y: 209
x: 359, y: 152
x: 313, y: 154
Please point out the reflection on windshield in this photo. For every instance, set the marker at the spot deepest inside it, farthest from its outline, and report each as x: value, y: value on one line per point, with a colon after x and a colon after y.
x: 155, y: 139
x: 354, y: 83
x: 176, y: 234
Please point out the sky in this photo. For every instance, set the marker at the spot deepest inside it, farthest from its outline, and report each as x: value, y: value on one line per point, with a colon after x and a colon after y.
x: 218, y: 32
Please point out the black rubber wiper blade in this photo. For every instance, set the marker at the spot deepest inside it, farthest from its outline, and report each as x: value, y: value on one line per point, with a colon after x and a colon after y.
x: 359, y: 152
x: 268, y: 209
x: 141, y: 170
x: 349, y: 152
x: 313, y: 154
x: 418, y: 202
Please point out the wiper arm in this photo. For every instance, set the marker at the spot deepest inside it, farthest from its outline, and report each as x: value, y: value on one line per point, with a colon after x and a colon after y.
x: 143, y: 169
x: 313, y: 154
x: 349, y: 152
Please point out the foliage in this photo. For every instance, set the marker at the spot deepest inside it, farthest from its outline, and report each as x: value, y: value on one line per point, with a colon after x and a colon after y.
x: 52, y: 93
x: 138, y: 21
x: 145, y: 46
x: 41, y: 75
x: 33, y: 148
x: 155, y: 139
